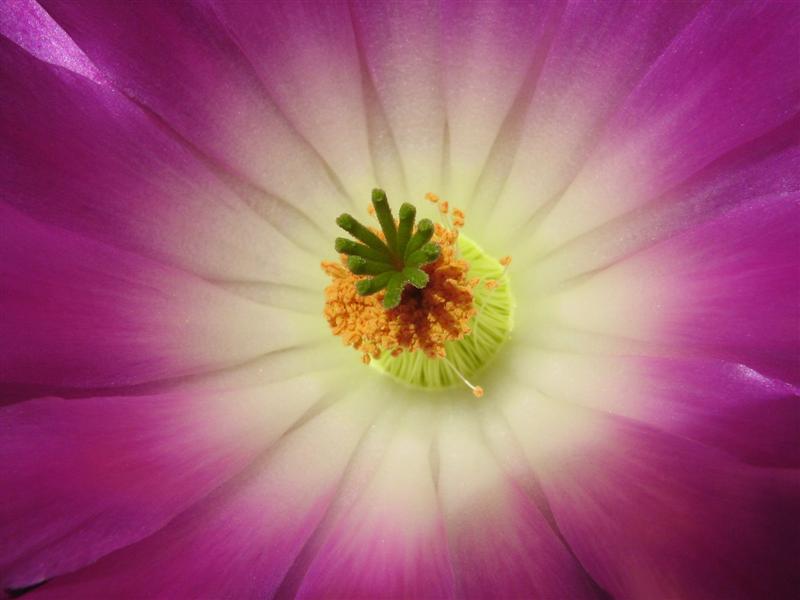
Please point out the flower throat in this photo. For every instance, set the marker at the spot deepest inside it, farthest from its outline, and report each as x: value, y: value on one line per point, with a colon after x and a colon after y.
x: 420, y: 301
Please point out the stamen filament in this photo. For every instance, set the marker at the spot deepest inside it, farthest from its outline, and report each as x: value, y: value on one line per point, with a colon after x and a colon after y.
x: 477, y: 390
x: 492, y: 285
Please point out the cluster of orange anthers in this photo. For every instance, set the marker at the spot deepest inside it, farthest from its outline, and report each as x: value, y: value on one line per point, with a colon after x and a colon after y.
x: 425, y: 318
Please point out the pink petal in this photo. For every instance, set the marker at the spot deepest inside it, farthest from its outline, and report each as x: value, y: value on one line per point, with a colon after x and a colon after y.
x: 306, y: 58
x: 731, y: 75
x: 78, y: 313
x: 401, y: 48
x: 651, y: 515
x: 84, y: 477
x: 243, y: 538
x: 90, y: 160
x: 492, y: 53
x: 717, y: 403
x: 179, y: 62
x: 384, y: 538
x: 501, y: 544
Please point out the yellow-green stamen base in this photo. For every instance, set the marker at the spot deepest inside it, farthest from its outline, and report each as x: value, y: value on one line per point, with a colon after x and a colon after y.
x: 490, y: 329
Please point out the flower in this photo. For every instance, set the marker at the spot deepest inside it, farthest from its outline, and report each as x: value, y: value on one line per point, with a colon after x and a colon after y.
x: 178, y: 420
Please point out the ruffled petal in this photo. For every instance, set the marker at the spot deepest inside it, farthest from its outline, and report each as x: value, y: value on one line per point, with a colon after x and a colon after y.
x: 179, y: 62
x: 78, y: 313
x: 90, y: 160
x: 500, y: 542
x: 241, y: 541
x: 651, y: 515
x: 84, y: 477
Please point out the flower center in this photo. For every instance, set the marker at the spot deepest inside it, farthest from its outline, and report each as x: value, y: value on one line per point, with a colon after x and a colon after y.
x: 425, y: 305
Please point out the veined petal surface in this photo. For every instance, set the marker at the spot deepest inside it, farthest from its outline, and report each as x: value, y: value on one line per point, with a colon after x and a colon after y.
x: 178, y: 422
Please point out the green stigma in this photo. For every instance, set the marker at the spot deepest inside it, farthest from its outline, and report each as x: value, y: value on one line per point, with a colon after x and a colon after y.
x: 394, y: 262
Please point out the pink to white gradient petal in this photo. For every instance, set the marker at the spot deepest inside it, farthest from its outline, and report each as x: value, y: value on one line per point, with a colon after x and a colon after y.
x: 501, y: 544
x: 305, y: 55
x: 176, y: 420
x: 87, y: 476
x: 180, y: 212
x: 242, y: 539
x: 713, y: 89
x: 178, y: 61
x: 725, y: 290
x: 652, y: 515
x: 593, y: 55
x: 384, y: 538
x: 79, y: 313
x: 721, y: 404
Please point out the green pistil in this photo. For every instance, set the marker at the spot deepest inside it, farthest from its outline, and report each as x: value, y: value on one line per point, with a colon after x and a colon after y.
x: 392, y: 264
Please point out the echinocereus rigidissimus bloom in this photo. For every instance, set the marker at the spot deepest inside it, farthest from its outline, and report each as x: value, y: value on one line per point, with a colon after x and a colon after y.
x: 383, y: 299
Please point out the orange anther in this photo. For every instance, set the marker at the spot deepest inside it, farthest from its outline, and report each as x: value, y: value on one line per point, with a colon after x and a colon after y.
x: 505, y: 261
x: 424, y: 321
x: 477, y: 391
x: 432, y: 197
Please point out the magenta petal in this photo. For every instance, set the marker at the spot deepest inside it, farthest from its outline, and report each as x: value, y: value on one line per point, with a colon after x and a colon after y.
x: 179, y: 61
x: 305, y: 56
x: 384, y: 537
x: 84, y: 477
x: 721, y: 404
x: 90, y: 160
x: 240, y: 541
x: 726, y: 405
x: 731, y: 75
x: 651, y: 515
x: 26, y: 23
x: 736, y: 282
x: 78, y: 313
x: 501, y: 543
